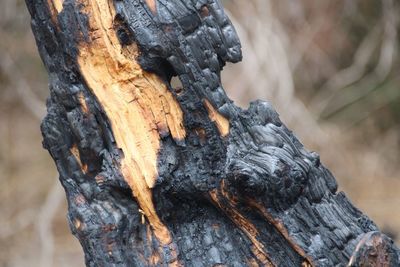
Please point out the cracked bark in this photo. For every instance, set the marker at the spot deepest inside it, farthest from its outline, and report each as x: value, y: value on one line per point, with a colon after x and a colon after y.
x: 157, y: 175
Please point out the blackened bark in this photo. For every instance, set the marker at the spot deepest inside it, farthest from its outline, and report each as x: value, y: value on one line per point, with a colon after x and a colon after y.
x: 237, y: 189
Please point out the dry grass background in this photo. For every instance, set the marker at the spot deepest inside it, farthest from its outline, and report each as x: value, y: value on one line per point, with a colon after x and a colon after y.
x: 331, y: 68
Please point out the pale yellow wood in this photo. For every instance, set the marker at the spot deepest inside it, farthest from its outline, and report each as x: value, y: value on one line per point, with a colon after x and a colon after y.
x: 220, y: 121
x: 152, y: 5
x: 137, y: 104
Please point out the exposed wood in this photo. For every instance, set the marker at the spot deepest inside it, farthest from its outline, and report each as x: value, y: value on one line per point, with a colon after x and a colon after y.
x: 138, y: 105
x: 159, y: 175
x: 220, y: 121
x: 152, y: 5
x: 247, y: 227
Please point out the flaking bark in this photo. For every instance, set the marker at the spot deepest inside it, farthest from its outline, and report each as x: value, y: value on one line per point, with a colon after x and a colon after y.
x: 231, y: 187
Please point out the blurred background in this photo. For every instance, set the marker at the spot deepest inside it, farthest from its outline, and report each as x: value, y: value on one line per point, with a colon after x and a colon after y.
x: 331, y: 69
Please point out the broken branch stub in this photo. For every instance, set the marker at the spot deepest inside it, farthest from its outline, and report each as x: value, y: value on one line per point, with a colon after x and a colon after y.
x: 160, y: 175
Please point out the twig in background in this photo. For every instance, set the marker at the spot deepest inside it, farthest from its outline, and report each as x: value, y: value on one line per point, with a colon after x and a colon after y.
x: 44, y: 223
x: 267, y: 70
x: 23, y: 220
x: 24, y: 90
x: 370, y: 82
x: 349, y: 75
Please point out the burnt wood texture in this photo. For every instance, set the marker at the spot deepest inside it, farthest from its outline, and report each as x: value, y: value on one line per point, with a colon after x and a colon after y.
x: 159, y: 175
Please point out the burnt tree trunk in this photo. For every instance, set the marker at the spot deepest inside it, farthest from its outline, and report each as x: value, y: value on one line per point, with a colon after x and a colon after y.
x: 157, y: 175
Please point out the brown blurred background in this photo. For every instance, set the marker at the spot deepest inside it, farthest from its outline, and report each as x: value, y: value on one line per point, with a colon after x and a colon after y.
x: 331, y: 69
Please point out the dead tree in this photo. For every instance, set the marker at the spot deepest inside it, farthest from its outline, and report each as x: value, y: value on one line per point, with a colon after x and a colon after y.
x: 157, y: 175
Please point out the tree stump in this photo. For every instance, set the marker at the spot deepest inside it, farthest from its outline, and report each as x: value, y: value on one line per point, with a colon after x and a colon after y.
x: 159, y: 175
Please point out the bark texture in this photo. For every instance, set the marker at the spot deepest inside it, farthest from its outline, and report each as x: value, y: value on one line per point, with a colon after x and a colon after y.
x: 157, y: 175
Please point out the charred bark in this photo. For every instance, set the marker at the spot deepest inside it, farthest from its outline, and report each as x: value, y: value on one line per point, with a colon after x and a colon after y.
x: 157, y: 175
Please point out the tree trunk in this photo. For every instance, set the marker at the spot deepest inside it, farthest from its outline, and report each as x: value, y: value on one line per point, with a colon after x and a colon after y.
x: 159, y: 175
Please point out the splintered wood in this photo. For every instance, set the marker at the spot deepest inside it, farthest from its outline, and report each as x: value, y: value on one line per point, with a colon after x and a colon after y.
x: 246, y: 226
x: 55, y: 7
x: 152, y: 5
x: 220, y: 121
x: 138, y: 105
x: 58, y: 4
